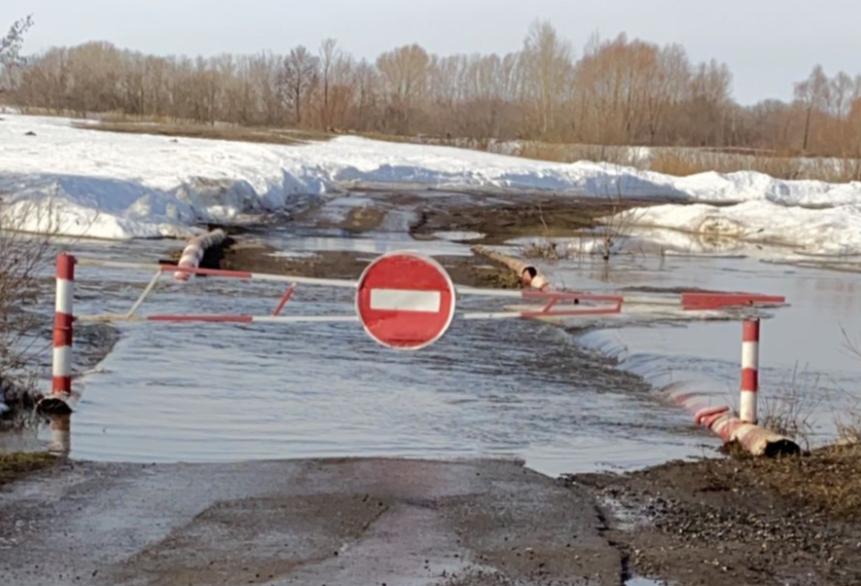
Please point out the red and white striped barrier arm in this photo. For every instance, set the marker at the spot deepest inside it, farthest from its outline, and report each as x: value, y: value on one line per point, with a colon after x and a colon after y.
x: 712, y: 301
x: 749, y: 371
x: 194, y: 251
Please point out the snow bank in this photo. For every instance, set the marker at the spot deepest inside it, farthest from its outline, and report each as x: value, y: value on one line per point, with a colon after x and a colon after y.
x: 830, y: 231
x: 85, y: 183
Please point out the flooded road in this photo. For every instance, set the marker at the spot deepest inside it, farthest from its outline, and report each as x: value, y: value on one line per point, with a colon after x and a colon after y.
x: 215, y: 392
x: 511, y: 389
x: 805, y: 365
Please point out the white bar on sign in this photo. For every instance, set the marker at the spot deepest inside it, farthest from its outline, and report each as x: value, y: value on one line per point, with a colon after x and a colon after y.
x: 405, y: 300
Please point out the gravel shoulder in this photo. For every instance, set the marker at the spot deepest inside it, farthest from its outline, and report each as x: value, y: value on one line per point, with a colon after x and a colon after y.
x: 793, y: 520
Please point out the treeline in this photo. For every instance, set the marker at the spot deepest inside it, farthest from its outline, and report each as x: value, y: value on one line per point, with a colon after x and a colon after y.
x: 618, y: 92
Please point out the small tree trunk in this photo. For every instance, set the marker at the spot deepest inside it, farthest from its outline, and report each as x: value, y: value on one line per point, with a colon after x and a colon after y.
x: 807, y: 130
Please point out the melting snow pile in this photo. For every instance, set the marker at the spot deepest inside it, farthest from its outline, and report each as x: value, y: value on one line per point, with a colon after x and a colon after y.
x: 827, y: 231
x: 55, y: 177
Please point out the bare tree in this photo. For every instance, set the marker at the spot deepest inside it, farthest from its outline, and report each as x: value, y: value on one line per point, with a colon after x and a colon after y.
x: 300, y: 74
x: 813, y: 95
x: 367, y: 98
x: 405, y: 72
x: 620, y: 92
x: 329, y: 57
x: 23, y: 260
x: 547, y: 62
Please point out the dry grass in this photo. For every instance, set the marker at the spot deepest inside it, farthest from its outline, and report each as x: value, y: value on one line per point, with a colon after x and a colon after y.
x: 849, y: 427
x: 218, y: 132
x: 544, y: 249
x: 395, y: 138
x: 680, y: 162
x: 828, y: 479
x: 791, y: 413
x: 16, y: 466
x: 570, y: 153
x: 677, y: 161
x: 683, y: 162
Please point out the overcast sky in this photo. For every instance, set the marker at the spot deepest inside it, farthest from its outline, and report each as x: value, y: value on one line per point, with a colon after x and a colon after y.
x: 768, y: 44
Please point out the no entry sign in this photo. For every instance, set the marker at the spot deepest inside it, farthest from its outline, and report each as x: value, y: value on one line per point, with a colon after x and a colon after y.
x: 405, y: 300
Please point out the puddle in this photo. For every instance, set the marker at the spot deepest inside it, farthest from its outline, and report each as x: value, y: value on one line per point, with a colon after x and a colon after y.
x: 640, y: 581
x: 370, y: 242
x: 293, y: 254
x: 455, y: 236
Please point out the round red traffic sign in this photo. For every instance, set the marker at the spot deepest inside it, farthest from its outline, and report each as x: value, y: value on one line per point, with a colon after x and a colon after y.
x: 405, y: 300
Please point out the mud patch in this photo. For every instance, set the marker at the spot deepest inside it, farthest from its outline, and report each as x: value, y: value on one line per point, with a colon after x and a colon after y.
x: 503, y: 218
x: 753, y: 521
x: 262, y: 258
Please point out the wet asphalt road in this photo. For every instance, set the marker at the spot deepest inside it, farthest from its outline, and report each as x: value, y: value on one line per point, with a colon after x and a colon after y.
x: 347, y: 522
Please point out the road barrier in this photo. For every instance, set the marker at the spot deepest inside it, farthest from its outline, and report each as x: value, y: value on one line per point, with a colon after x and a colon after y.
x: 407, y: 301
x: 395, y: 314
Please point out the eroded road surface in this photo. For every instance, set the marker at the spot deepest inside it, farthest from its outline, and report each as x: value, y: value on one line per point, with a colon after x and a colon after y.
x: 344, y: 522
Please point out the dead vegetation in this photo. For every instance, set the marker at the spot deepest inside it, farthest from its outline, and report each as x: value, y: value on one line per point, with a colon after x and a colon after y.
x: 848, y: 422
x: 544, y: 101
x: 16, y: 466
x: 791, y: 412
x: 544, y: 249
x: 682, y: 161
x: 216, y: 132
x: 24, y: 259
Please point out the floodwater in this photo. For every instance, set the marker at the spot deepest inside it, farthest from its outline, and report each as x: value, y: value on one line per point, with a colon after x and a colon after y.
x: 807, y: 371
x: 510, y: 389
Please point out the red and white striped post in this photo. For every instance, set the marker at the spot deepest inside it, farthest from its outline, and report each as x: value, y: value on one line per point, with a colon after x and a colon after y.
x: 63, y: 319
x: 749, y: 370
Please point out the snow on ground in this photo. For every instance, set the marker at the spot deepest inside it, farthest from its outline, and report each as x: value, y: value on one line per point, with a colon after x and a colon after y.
x: 106, y: 185
x: 834, y: 231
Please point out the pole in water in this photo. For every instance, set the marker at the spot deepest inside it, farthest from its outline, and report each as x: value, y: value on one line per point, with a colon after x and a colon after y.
x: 749, y: 370
x: 63, y: 332
x: 61, y: 399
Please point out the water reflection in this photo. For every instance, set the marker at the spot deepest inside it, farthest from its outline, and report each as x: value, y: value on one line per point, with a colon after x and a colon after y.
x: 61, y: 435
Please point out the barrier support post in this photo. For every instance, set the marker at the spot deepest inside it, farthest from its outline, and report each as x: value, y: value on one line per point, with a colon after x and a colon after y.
x: 61, y: 398
x: 749, y: 370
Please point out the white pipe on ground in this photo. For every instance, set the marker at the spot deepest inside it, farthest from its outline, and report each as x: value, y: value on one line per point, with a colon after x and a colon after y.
x: 194, y: 250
